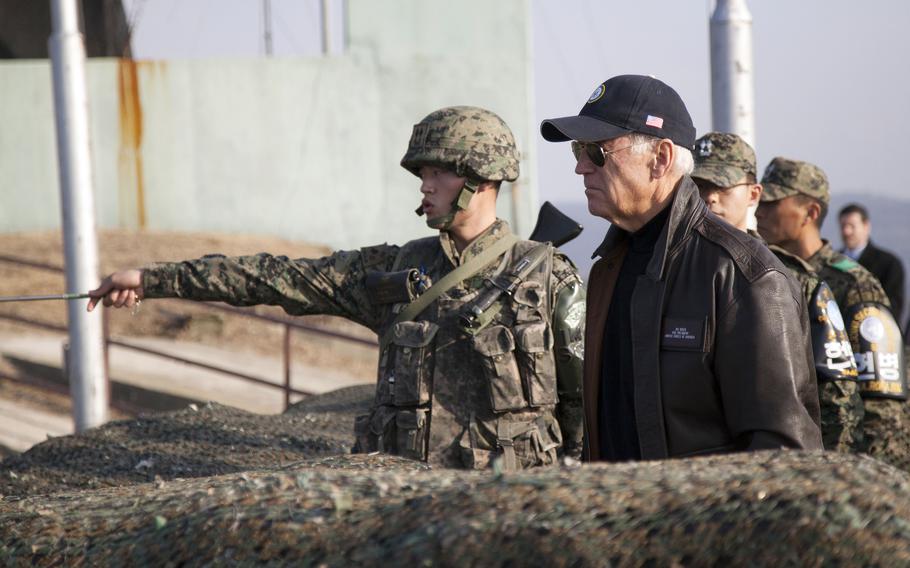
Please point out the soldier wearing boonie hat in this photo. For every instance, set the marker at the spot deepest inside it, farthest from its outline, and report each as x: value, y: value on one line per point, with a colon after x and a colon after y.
x: 792, y: 209
x: 507, y: 389
x: 784, y: 177
x: 725, y: 172
x: 726, y: 177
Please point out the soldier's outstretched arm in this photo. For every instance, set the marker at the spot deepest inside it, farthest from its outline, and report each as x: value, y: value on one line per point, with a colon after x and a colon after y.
x: 332, y: 285
x: 569, y: 333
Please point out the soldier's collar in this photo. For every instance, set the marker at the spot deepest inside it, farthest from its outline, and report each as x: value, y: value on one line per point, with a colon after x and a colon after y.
x: 491, y: 234
x: 822, y: 255
x: 794, y: 258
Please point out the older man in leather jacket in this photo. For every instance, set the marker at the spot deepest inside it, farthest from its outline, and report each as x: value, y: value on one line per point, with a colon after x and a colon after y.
x: 697, y: 340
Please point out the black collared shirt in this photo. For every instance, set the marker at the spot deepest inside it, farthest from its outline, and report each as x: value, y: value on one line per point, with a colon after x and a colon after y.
x: 616, y: 413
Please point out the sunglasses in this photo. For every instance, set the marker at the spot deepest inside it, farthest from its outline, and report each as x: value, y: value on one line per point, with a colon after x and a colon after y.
x: 595, y: 151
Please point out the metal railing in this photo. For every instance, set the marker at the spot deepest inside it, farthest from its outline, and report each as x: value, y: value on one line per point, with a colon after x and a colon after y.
x: 288, y: 324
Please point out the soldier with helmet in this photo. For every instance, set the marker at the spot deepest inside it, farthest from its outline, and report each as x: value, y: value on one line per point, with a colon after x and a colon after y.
x: 726, y: 176
x: 481, y: 333
x: 790, y: 215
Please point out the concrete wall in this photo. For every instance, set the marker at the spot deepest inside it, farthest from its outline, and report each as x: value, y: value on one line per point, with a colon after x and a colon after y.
x: 302, y: 148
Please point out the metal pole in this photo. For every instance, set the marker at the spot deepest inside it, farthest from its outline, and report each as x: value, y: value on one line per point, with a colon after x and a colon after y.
x: 287, y: 366
x: 326, y: 28
x: 345, y: 26
x: 267, y: 26
x: 732, y: 88
x: 86, y: 369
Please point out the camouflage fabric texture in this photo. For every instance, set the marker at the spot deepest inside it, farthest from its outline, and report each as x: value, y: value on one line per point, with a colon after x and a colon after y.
x: 886, y: 423
x: 441, y: 395
x: 474, y: 142
x: 782, y: 508
x: 784, y: 177
x: 839, y: 400
x: 724, y: 160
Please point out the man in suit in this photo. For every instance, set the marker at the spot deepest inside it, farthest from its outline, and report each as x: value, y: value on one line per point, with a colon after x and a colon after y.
x: 855, y: 230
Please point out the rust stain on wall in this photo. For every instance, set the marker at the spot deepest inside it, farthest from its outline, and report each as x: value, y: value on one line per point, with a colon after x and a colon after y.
x: 130, y: 160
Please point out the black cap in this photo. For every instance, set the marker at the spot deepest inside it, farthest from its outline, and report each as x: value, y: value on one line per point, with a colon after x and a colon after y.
x: 624, y: 104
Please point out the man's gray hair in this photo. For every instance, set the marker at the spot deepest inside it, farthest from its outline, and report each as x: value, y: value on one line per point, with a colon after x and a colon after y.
x: 683, y: 163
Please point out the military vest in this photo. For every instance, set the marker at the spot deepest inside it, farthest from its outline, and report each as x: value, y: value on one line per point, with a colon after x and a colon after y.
x: 461, y: 399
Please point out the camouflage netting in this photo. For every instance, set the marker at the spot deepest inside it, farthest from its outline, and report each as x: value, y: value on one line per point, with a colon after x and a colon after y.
x: 219, y: 485
x: 894, y: 448
x: 780, y: 508
x: 198, y: 441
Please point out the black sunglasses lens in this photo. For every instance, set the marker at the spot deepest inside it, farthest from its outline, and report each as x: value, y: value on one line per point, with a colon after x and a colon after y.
x: 594, y: 152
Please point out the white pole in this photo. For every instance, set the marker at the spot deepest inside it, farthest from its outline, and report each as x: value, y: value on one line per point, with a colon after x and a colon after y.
x: 267, y: 26
x: 88, y: 384
x: 326, y: 28
x: 732, y: 88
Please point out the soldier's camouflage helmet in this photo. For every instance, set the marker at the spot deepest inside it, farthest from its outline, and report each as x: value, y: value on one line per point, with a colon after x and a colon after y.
x: 724, y: 160
x: 472, y: 141
x: 783, y: 178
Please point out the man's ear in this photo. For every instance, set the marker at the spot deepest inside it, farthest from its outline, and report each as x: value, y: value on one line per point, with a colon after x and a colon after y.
x: 754, y: 194
x: 665, y: 154
x: 813, y: 212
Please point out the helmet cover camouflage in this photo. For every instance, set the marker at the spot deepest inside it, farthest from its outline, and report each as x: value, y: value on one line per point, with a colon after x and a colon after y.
x: 724, y: 160
x: 783, y: 178
x: 472, y: 141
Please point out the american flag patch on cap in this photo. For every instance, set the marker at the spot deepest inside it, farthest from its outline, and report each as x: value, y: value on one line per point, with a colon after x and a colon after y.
x: 655, y: 121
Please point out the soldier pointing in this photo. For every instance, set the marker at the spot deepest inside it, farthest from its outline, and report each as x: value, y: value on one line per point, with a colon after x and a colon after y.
x: 461, y: 381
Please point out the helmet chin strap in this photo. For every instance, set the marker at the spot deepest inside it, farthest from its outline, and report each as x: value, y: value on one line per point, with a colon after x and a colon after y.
x: 444, y: 222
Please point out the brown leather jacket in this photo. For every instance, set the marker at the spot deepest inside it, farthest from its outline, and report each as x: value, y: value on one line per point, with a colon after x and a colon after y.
x: 721, y: 352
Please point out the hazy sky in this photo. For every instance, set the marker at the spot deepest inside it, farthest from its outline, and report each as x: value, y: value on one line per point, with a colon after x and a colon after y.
x: 831, y: 76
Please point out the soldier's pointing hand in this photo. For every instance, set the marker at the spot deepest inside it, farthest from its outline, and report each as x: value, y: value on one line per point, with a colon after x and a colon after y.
x: 120, y: 289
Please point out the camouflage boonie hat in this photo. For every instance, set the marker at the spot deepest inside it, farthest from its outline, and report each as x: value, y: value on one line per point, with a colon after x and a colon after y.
x: 724, y: 159
x: 783, y: 178
x: 472, y: 141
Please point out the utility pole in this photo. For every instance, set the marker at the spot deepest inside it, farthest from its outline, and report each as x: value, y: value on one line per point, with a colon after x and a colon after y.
x: 267, y: 26
x: 732, y: 88
x: 86, y: 369
x: 326, y: 27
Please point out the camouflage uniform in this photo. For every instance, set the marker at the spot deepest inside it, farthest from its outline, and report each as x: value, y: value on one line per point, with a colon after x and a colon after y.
x: 886, y: 419
x: 726, y: 160
x: 851, y: 284
x: 511, y: 389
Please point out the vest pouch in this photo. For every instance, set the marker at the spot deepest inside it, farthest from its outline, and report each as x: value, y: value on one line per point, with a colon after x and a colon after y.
x: 412, y: 362
x: 373, y: 432
x: 496, y: 345
x: 477, y: 452
x: 534, y: 352
x: 411, y: 432
x: 545, y: 440
x: 529, y: 301
x: 527, y: 444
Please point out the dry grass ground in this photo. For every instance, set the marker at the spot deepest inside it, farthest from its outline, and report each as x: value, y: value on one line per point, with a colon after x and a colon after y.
x: 176, y: 319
